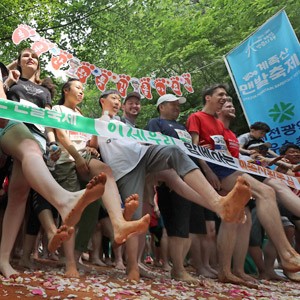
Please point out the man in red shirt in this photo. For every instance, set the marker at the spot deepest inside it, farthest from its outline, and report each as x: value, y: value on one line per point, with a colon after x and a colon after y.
x: 204, y: 127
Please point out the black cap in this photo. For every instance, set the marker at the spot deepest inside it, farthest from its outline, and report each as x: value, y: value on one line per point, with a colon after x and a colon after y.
x: 132, y: 94
x: 4, y: 70
x: 109, y: 92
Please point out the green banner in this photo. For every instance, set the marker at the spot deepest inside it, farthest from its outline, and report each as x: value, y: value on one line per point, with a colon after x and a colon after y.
x: 49, y: 118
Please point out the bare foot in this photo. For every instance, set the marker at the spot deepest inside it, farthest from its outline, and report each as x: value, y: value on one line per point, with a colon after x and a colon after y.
x: 119, y: 265
x: 133, y: 273
x: 230, y: 278
x: 270, y: 275
x: 292, y: 276
x: 125, y: 229
x: 147, y: 272
x: 97, y: 261
x: 62, y: 234
x: 8, y: 271
x: 84, y: 268
x: 71, y: 270
x: 131, y: 204
x: 27, y: 263
x: 245, y: 276
x: 232, y: 205
x: 184, y: 276
x: 94, y: 190
x: 291, y: 262
x: 53, y: 256
x: 166, y: 267
x: 207, y: 272
x: 108, y: 261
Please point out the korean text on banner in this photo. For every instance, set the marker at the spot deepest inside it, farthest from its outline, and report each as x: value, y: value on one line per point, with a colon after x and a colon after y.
x: 265, y: 69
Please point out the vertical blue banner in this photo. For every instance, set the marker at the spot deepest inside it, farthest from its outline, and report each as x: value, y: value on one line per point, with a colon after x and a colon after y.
x: 265, y: 70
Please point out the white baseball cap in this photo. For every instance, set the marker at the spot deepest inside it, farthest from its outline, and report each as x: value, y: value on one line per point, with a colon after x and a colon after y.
x: 170, y: 98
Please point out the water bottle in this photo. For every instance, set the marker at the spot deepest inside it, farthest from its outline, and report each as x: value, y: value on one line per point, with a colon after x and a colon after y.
x: 50, y: 162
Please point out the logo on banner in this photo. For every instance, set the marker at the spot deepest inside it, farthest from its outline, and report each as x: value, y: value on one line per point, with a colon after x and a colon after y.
x: 265, y: 70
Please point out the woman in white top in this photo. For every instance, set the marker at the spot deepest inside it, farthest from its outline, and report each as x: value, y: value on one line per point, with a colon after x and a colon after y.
x: 82, y: 160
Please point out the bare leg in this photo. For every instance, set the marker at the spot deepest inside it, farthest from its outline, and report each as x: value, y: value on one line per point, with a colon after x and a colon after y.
x: 112, y: 202
x: 270, y: 255
x: 71, y: 266
x: 284, y: 195
x: 241, y: 248
x: 209, y: 247
x: 132, y: 250
x: 230, y: 208
x: 164, y: 251
x: 177, y: 249
x: 227, y: 232
x: 15, y: 210
x: 25, y: 260
x: 20, y: 144
x: 97, y: 245
x: 268, y: 214
x: 107, y: 229
x: 119, y: 264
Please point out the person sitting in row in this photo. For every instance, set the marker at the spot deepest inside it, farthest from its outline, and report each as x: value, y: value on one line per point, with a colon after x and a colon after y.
x: 135, y: 161
x: 181, y: 217
x: 203, y: 126
x: 17, y: 141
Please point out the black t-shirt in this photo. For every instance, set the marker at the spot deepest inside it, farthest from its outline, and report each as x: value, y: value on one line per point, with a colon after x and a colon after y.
x: 166, y: 127
x: 26, y: 90
x: 32, y: 92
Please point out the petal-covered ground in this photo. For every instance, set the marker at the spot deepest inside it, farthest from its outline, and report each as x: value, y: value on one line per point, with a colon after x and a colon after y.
x: 109, y: 283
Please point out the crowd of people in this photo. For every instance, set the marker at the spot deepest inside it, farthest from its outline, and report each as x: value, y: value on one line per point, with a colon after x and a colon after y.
x: 139, y: 204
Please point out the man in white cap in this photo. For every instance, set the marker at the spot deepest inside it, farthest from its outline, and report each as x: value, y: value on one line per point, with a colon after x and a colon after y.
x: 176, y: 210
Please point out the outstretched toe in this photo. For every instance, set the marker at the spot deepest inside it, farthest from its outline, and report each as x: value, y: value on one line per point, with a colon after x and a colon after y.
x: 131, y: 204
x: 94, y: 190
x: 62, y: 234
x: 234, y: 202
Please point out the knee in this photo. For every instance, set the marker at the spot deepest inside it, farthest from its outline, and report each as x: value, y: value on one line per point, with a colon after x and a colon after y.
x: 278, y: 186
x: 173, y: 149
x: 107, y: 170
x: 210, y: 229
x: 267, y: 193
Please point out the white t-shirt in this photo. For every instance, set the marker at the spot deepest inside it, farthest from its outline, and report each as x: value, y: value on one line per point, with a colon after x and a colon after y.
x: 245, y: 139
x: 120, y: 154
x: 78, y: 139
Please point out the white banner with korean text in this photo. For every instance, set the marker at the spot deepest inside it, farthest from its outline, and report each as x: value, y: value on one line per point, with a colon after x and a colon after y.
x: 19, y: 112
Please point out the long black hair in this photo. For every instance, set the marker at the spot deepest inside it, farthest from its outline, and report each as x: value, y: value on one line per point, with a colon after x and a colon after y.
x: 66, y: 86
